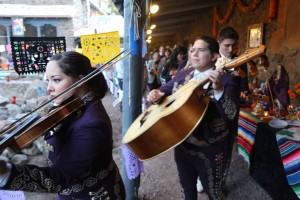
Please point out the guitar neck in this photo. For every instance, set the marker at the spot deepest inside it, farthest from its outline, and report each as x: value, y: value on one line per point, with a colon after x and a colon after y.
x: 247, y: 56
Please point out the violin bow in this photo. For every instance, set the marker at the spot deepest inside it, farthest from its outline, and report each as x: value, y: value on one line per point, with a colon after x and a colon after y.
x: 70, y: 88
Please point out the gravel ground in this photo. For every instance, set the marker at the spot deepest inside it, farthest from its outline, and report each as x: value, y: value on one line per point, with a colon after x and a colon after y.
x: 159, y: 180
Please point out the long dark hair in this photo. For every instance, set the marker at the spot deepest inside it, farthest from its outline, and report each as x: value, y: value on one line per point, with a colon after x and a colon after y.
x: 74, y: 64
x: 176, y: 51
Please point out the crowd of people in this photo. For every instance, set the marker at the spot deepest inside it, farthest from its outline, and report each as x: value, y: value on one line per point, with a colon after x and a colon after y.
x: 204, y: 155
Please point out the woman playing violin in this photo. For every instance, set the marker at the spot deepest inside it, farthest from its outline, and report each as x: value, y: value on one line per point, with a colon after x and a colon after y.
x: 80, y: 149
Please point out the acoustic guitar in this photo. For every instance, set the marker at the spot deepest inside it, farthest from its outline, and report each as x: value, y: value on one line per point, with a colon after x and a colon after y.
x: 163, y: 126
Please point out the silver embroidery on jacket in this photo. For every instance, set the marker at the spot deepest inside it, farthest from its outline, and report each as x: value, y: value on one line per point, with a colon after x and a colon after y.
x: 230, y: 108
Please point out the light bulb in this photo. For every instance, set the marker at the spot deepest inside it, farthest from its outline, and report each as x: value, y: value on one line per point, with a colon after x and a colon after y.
x: 154, y: 8
x: 152, y: 26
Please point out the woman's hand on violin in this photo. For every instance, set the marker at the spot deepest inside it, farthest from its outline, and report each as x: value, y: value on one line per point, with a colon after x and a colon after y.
x: 155, y: 95
x: 215, y: 77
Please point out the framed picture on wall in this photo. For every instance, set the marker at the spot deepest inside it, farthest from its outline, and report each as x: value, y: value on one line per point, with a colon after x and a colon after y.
x: 255, y: 35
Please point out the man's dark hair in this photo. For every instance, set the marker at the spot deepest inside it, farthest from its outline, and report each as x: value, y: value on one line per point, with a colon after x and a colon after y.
x: 213, y: 45
x: 228, y: 33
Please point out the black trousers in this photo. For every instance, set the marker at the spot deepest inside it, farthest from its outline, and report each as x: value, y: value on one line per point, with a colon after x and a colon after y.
x: 210, y: 163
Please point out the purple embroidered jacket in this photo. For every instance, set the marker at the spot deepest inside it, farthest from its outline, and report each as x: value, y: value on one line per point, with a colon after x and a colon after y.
x: 82, y: 166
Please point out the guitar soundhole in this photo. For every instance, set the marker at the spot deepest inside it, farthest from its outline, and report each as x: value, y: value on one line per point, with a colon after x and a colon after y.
x: 170, y: 103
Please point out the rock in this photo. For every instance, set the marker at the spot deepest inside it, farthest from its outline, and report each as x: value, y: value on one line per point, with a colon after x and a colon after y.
x: 33, y: 150
x: 39, y: 160
x: 8, y: 153
x: 13, y: 109
x: 20, y: 115
x: 19, y: 159
x: 4, y: 158
x: 36, y: 89
x: 20, y: 101
x: 30, y: 105
x: 3, y: 101
x: 3, y: 113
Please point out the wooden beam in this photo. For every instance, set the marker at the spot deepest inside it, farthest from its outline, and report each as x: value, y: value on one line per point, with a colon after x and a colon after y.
x: 172, y: 3
x: 168, y: 21
x: 173, y: 28
x: 167, y: 10
x: 163, y: 34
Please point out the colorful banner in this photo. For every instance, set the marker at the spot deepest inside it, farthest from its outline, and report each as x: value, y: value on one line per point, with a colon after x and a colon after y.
x: 101, y: 47
x: 31, y: 55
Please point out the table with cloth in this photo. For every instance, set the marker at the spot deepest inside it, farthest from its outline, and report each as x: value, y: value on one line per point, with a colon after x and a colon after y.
x: 246, y: 132
x: 289, y: 149
x: 273, y: 155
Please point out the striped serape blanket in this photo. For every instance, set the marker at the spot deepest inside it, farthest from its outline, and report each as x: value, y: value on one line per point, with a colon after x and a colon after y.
x: 246, y: 133
x: 290, y: 153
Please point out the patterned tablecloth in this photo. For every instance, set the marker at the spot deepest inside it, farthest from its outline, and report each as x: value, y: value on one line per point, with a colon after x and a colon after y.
x: 288, y: 146
x: 290, y: 153
x: 247, y: 124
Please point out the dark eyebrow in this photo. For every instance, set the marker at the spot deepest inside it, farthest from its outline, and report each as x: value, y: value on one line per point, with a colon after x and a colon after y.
x: 200, y: 48
x: 54, y: 76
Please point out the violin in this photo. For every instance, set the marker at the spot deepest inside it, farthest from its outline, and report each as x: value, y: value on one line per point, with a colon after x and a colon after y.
x: 35, y: 126
x: 24, y: 131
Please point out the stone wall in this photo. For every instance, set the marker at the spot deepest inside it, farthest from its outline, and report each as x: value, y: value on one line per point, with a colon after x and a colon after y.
x: 65, y: 29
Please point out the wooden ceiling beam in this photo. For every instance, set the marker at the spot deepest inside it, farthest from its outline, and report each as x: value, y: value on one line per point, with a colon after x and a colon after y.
x: 178, y: 9
x: 171, y: 33
x: 160, y: 2
x: 174, y: 28
x: 169, y: 21
x: 172, y: 3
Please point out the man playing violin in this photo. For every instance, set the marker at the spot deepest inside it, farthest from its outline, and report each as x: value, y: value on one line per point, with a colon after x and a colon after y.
x: 205, y: 152
x: 228, y: 41
x: 80, y: 149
